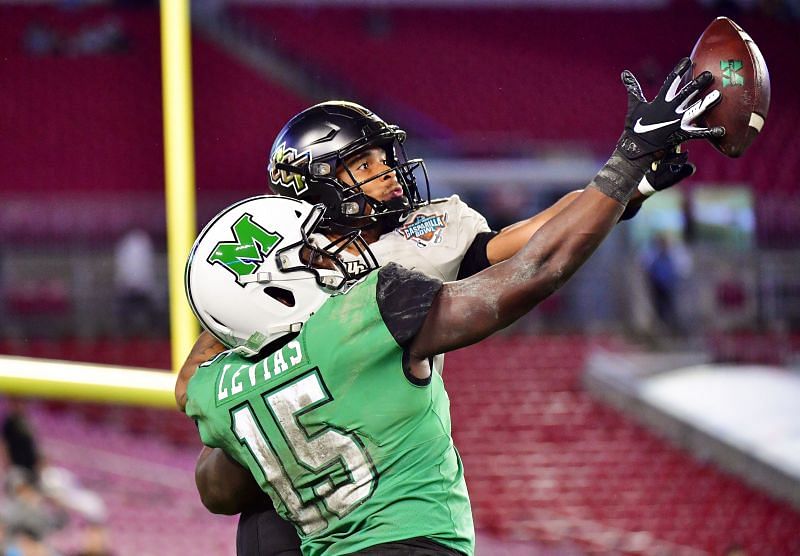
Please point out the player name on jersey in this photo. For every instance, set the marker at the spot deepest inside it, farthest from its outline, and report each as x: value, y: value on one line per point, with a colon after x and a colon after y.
x: 235, y: 378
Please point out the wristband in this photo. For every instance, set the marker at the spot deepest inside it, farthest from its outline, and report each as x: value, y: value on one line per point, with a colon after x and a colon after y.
x: 619, y: 177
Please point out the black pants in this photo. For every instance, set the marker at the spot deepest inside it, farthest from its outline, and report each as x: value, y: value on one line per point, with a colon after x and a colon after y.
x: 419, y: 546
x: 265, y: 533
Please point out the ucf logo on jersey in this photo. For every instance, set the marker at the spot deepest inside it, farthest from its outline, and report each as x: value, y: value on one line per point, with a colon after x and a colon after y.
x: 355, y: 267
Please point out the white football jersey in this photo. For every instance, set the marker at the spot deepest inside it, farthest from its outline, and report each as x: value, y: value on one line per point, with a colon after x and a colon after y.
x: 433, y: 239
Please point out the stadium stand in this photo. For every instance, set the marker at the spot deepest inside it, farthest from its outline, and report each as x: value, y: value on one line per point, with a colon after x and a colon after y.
x: 543, y: 73
x: 251, y: 112
x: 75, y: 117
x: 101, y: 114
x: 545, y: 461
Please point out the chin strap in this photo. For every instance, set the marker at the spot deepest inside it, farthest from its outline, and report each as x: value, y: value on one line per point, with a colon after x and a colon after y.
x: 288, y: 328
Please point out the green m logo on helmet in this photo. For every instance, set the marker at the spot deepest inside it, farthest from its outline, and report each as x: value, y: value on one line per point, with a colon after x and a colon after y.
x: 244, y: 255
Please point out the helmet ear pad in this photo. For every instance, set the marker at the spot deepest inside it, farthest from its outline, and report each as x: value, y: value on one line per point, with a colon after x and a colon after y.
x: 345, y: 203
x: 344, y: 212
x: 331, y: 196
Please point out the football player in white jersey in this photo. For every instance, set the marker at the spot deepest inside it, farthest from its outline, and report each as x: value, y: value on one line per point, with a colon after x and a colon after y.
x: 342, y: 155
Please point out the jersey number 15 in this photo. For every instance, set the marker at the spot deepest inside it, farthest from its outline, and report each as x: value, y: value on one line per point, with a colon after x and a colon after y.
x: 324, y: 453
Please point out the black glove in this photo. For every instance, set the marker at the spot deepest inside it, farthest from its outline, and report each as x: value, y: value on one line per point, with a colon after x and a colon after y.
x: 666, y: 172
x: 661, y: 175
x: 666, y: 121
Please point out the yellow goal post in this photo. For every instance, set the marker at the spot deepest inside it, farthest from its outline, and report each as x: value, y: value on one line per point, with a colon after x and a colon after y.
x: 24, y: 376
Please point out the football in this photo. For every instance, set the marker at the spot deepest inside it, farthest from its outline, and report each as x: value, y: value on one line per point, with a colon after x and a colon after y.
x: 741, y: 76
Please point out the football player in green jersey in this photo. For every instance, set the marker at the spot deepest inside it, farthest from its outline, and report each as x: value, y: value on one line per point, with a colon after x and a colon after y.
x: 493, y: 246
x: 330, y: 413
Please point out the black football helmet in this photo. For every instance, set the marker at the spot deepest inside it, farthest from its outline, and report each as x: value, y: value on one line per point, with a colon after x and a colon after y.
x: 316, y: 142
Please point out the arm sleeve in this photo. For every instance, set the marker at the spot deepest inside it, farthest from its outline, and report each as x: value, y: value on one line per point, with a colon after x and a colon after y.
x: 475, y: 258
x: 404, y: 299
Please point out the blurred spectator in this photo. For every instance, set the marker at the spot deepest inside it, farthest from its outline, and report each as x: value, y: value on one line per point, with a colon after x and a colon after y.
x: 20, y: 446
x: 665, y: 264
x: 135, y: 282
x: 41, y: 40
x: 23, y: 543
x: 106, y: 37
x: 27, y: 514
x: 62, y: 486
x: 56, y: 484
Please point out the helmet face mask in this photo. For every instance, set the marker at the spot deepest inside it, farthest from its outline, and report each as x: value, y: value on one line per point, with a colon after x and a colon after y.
x: 354, y: 200
x: 314, y: 253
x: 260, y: 269
x: 316, y: 143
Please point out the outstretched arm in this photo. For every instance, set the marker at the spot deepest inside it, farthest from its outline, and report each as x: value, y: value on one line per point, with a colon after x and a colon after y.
x: 467, y: 311
x: 512, y: 238
x: 666, y: 173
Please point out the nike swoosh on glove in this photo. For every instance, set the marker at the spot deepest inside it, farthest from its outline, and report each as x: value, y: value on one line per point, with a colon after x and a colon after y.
x: 667, y: 120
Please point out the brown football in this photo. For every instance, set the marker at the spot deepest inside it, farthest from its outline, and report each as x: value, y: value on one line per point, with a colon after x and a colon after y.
x: 741, y: 76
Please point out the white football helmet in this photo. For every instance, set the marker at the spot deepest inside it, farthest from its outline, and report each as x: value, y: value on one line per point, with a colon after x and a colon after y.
x: 258, y: 270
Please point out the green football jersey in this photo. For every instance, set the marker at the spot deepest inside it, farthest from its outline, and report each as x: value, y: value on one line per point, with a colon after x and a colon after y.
x: 351, y: 449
